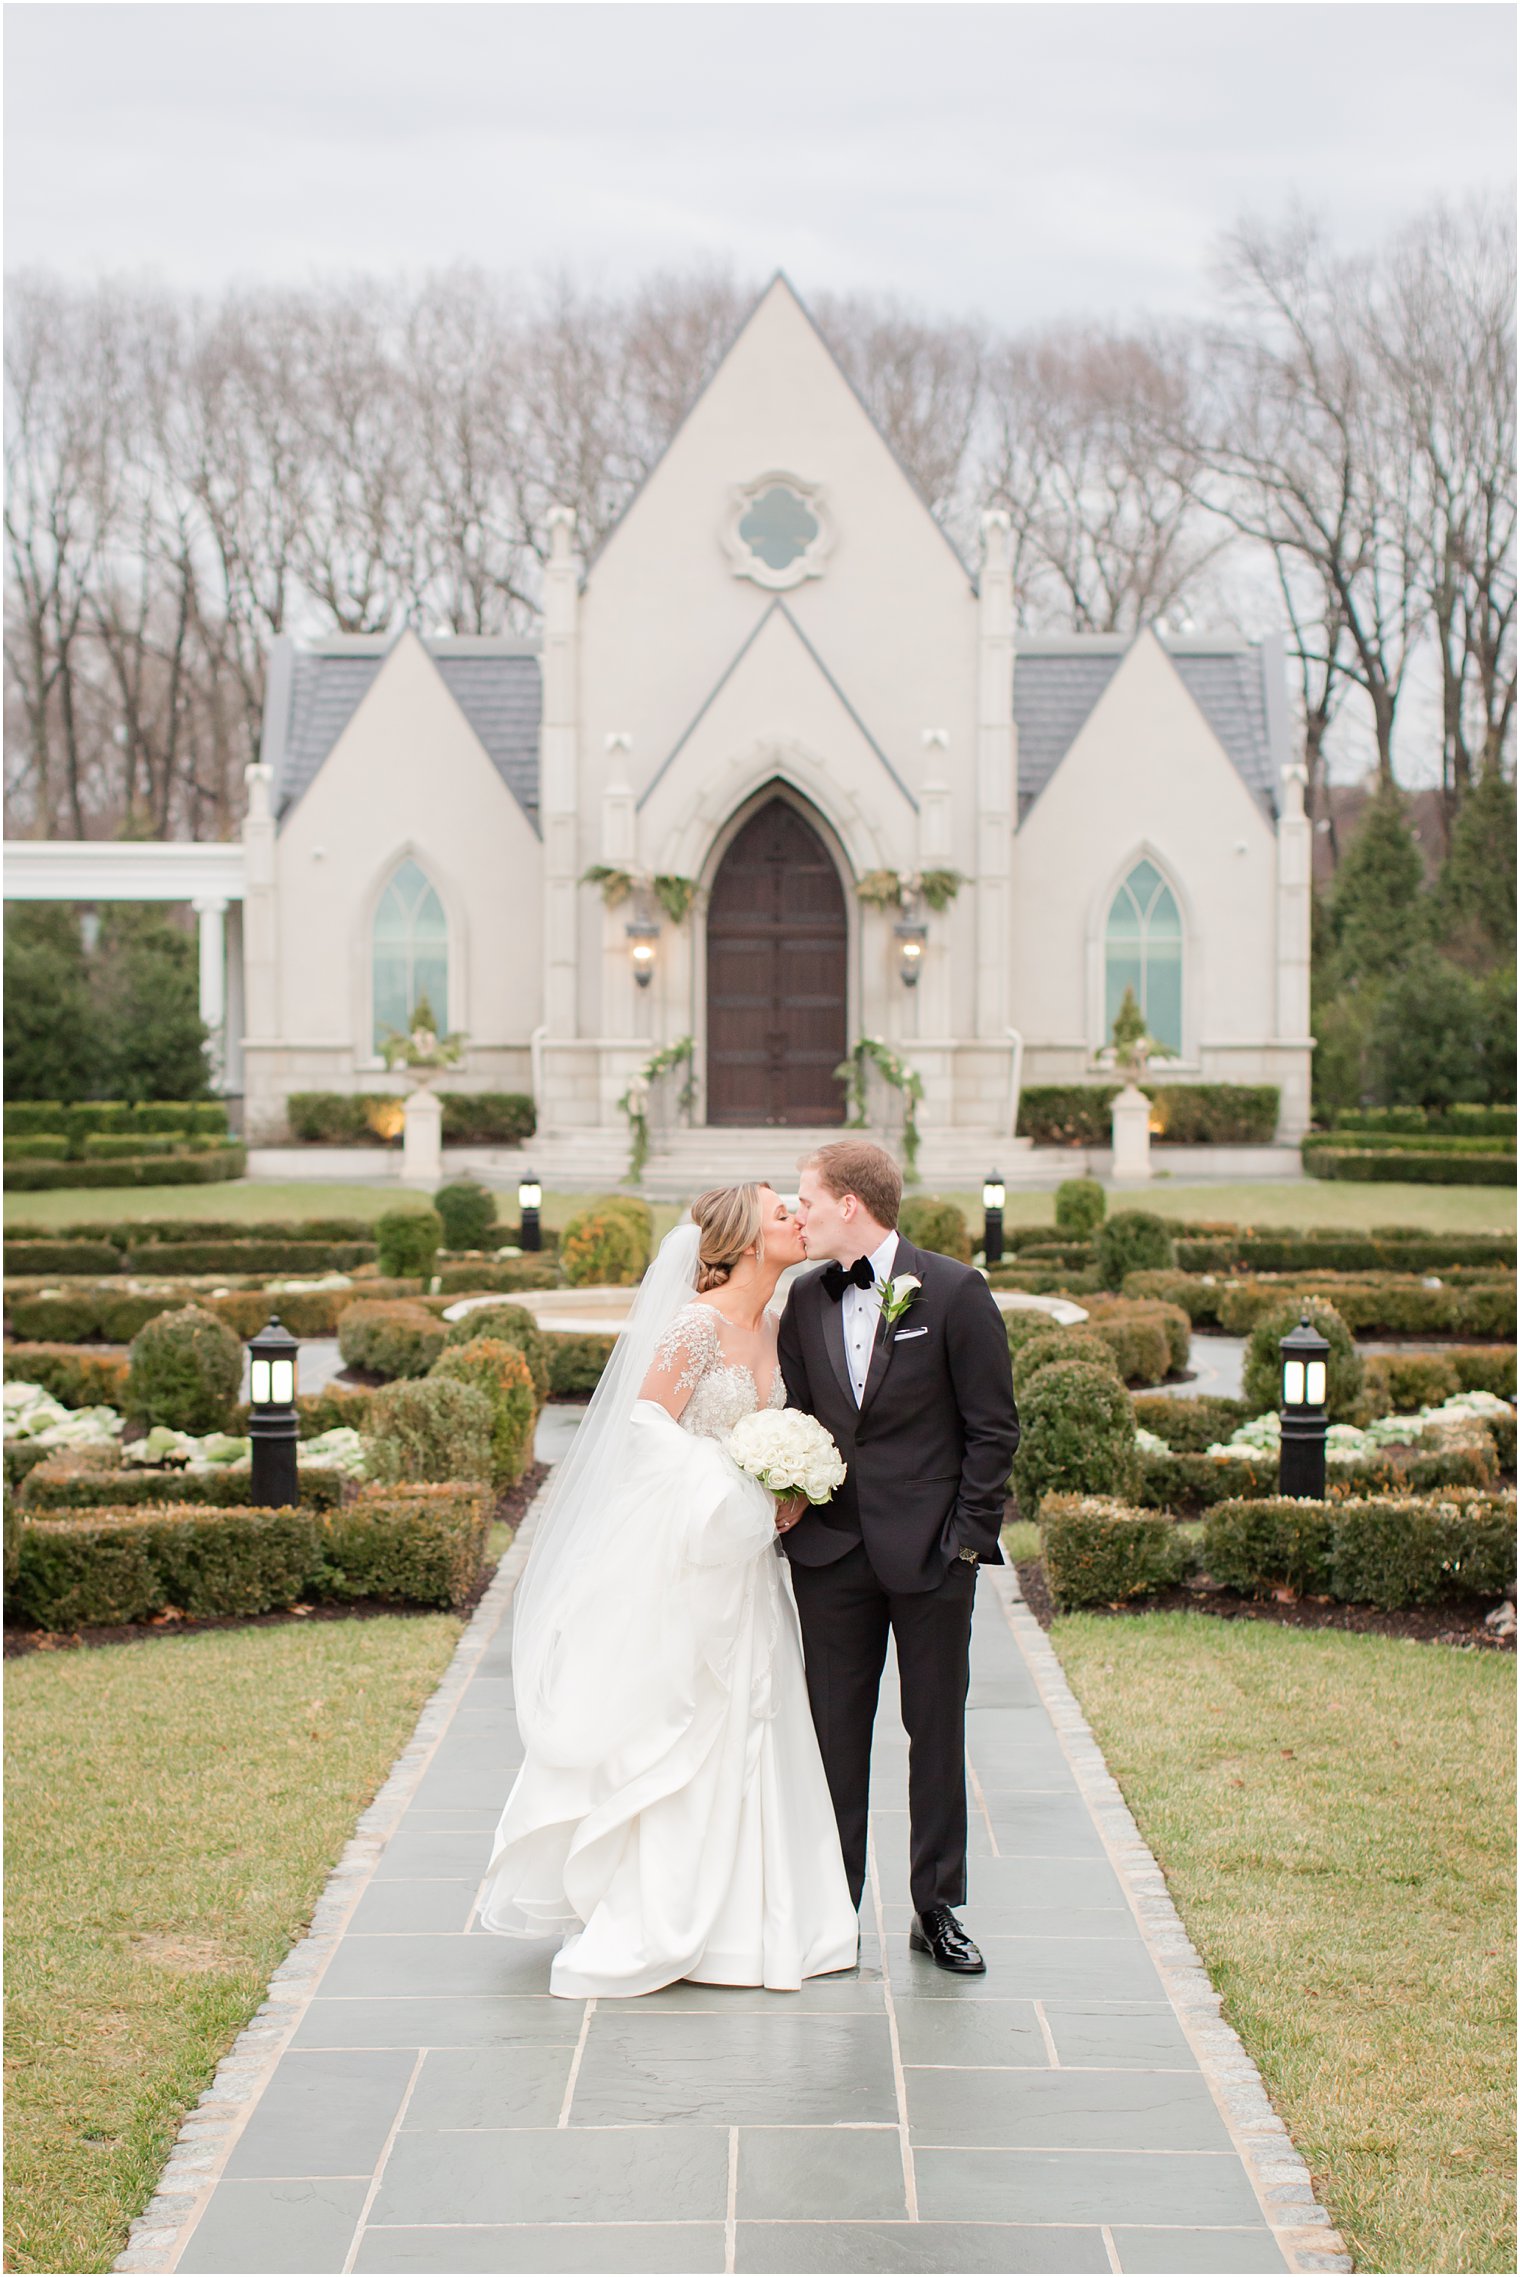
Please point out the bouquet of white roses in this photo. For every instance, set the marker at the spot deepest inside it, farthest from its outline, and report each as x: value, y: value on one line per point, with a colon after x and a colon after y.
x: 787, y: 1451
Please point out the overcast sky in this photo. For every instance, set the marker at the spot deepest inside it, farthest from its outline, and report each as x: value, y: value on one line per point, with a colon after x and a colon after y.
x: 1020, y: 161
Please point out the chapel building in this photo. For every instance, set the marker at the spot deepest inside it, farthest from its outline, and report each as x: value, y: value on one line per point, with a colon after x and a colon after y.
x: 828, y: 794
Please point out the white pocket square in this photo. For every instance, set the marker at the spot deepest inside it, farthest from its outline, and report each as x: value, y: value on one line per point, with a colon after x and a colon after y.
x: 904, y: 1333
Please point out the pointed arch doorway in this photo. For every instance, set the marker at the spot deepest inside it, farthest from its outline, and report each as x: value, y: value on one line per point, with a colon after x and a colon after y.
x: 777, y: 964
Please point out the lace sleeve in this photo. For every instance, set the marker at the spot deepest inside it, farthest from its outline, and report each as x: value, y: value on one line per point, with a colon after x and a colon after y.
x: 683, y: 1355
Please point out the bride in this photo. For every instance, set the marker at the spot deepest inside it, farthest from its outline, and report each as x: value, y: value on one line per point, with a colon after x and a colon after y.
x: 672, y: 1816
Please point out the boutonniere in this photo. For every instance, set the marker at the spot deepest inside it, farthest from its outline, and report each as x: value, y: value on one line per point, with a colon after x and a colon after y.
x: 897, y: 1296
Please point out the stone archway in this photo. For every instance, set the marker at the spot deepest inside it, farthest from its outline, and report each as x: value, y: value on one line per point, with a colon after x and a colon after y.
x: 777, y: 960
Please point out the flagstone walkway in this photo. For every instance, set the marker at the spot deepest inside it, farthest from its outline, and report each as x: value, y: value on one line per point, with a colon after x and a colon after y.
x: 412, y: 2099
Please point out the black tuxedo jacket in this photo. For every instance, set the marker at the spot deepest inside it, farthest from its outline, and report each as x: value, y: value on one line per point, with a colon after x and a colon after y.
x: 931, y: 1444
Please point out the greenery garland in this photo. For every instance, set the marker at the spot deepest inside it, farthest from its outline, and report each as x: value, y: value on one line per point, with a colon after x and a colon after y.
x: 635, y: 1100
x: 869, y: 1052
x: 894, y: 889
x: 674, y: 893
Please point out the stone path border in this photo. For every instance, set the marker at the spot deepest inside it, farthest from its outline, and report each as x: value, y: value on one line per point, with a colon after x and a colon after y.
x: 1278, y: 2176
x: 214, y: 2122
x: 1277, y: 2171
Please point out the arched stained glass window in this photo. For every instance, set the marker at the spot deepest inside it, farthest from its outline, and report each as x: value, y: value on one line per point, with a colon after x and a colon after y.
x: 411, y: 952
x: 1143, y: 951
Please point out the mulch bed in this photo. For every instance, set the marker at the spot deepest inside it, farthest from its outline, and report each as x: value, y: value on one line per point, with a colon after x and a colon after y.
x: 1459, y: 1622
x: 510, y: 1509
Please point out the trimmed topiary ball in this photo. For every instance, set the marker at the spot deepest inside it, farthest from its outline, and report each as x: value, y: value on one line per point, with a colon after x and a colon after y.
x: 1067, y: 1344
x: 513, y: 1324
x: 185, y: 1369
x: 932, y: 1224
x: 607, y: 1244
x: 1080, y: 1207
x: 1261, y: 1378
x: 1077, y: 1437
x: 501, y: 1371
x: 407, y: 1242
x: 468, y: 1213
x: 1133, y: 1241
x: 429, y: 1429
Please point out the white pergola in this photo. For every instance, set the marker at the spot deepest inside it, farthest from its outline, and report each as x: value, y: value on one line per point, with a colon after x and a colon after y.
x: 210, y: 878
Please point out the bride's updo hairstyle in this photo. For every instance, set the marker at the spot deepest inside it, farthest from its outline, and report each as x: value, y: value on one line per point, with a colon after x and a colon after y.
x: 732, y: 1220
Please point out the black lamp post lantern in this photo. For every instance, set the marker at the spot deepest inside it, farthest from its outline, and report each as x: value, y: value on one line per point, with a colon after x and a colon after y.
x: 530, y: 1196
x: 273, y: 1426
x: 993, y: 1198
x: 1305, y: 1420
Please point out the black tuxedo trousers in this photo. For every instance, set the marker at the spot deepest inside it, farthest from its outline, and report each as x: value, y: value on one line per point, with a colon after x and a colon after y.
x: 928, y: 1450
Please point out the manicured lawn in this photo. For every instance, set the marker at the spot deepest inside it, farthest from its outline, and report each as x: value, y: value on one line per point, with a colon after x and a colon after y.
x: 1335, y: 1817
x: 248, y: 1200
x: 1291, y: 1202
x: 1287, y: 1202
x: 173, y: 1810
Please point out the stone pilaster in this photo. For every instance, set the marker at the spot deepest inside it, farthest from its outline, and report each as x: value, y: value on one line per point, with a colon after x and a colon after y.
x: 996, y: 786
x: 559, y: 775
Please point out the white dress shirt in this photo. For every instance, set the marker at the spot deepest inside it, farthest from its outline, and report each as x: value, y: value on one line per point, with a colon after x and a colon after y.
x: 860, y: 1311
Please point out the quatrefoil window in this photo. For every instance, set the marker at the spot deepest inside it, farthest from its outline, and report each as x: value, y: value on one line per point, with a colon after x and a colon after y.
x: 778, y: 531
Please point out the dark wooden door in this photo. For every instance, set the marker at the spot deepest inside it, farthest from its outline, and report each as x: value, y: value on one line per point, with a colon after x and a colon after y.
x: 776, y: 960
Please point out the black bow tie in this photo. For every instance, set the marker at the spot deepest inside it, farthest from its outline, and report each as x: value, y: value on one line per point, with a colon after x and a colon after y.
x: 837, y: 1278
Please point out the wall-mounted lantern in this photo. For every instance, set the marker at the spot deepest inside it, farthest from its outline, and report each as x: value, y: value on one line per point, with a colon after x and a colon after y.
x: 641, y: 946
x: 1305, y: 1418
x: 910, y: 951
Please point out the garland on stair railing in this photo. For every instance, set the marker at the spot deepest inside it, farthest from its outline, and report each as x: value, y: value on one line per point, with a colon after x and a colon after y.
x: 635, y: 1100
x: 871, y: 1052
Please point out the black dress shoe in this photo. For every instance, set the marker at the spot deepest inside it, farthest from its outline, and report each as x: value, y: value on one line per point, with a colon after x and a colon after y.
x: 939, y: 1933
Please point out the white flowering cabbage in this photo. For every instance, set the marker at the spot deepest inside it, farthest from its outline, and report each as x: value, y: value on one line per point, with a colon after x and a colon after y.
x: 788, y: 1452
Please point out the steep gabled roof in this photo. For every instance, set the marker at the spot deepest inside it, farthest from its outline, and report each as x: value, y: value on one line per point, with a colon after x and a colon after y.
x: 781, y: 279
x: 315, y: 689
x: 1057, y: 683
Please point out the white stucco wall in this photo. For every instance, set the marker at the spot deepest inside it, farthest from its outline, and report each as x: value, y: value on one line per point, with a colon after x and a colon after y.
x: 663, y: 617
x: 1146, y: 775
x: 407, y: 775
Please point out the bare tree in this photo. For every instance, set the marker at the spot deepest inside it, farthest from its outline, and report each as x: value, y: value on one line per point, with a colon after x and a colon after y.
x: 1301, y: 449
x: 59, y: 508
x: 1107, y: 529
x: 921, y: 382
x: 1442, y: 329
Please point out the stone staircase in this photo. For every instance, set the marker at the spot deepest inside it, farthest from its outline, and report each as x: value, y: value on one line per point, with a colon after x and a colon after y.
x: 682, y: 1162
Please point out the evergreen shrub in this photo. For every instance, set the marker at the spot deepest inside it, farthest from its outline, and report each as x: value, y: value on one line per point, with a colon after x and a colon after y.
x: 1077, y: 1437
x: 1189, y: 1424
x: 429, y: 1429
x: 1098, y: 1550
x: 405, y: 1544
x: 407, y: 1241
x: 1053, y: 1351
x: 184, y: 1370
x: 576, y: 1362
x: 606, y: 1245
x: 501, y: 1371
x: 929, y: 1223
x: 467, y: 1211
x: 74, y: 1377
x: 513, y: 1324
x: 390, y: 1337
x: 1081, y: 1206
x: 1261, y: 1376
x: 500, y: 1276
x: 1133, y: 1241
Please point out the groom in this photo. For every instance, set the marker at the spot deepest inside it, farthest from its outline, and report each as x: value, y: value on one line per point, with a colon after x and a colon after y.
x: 921, y: 1408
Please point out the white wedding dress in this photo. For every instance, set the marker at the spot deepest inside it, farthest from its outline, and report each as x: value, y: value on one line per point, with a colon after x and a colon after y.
x: 672, y: 1813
